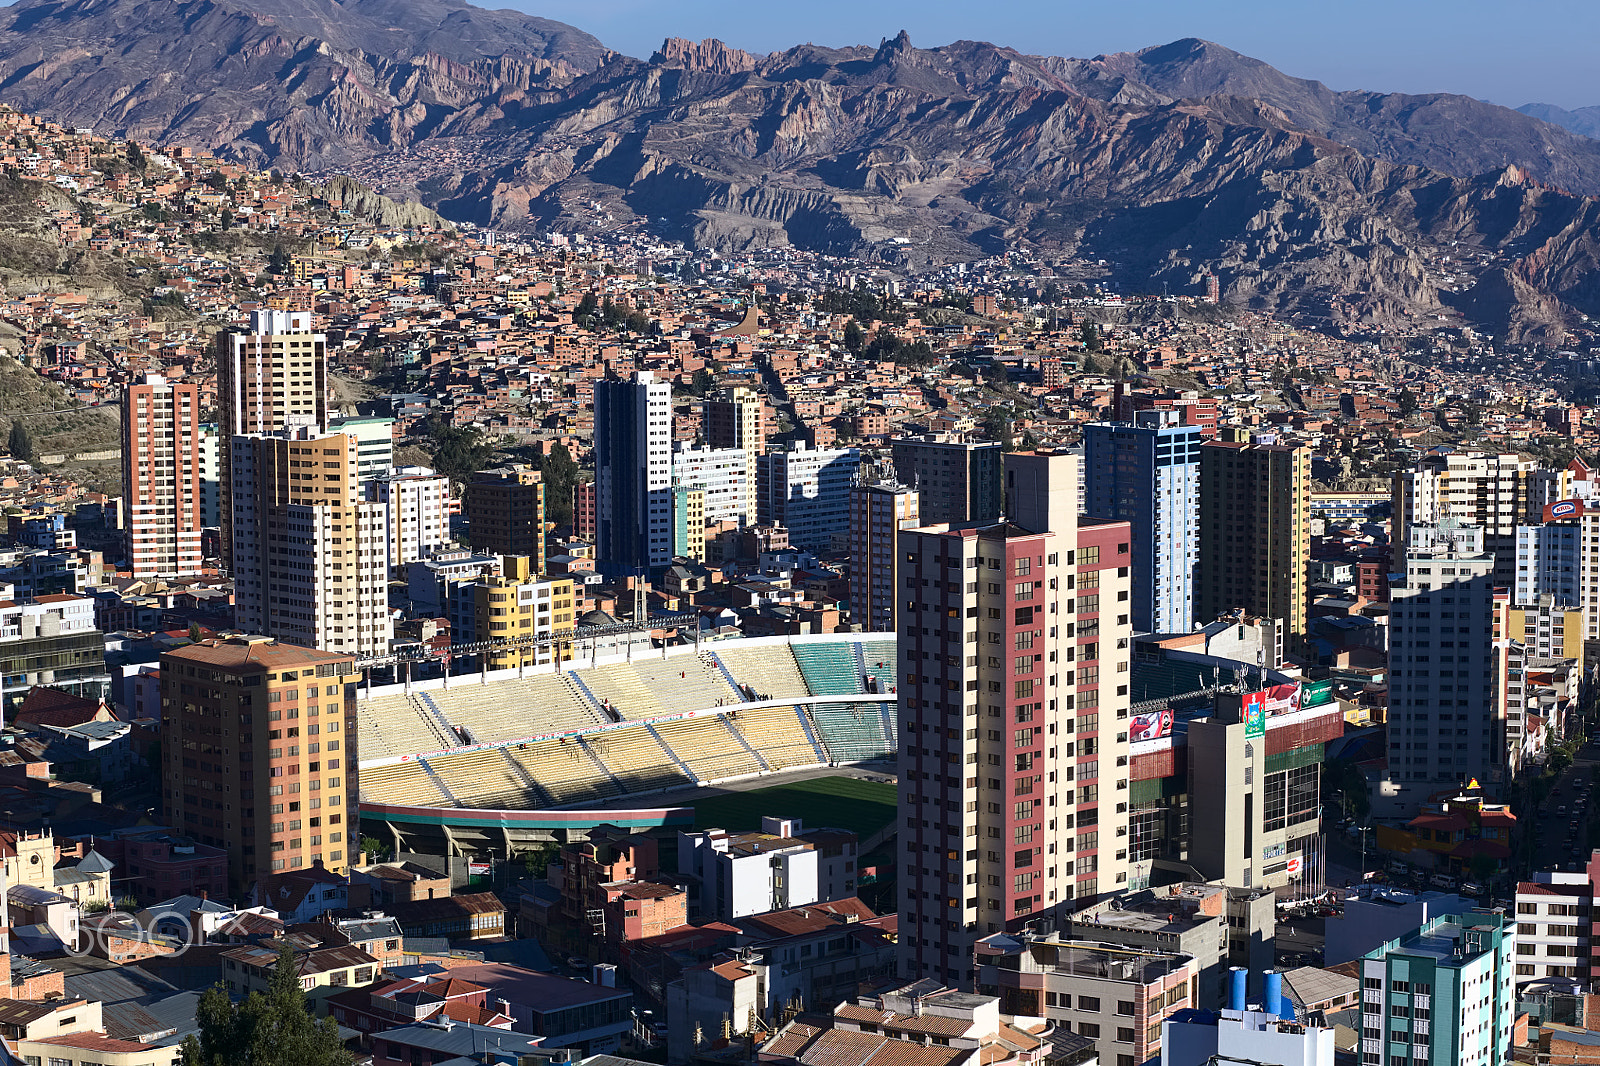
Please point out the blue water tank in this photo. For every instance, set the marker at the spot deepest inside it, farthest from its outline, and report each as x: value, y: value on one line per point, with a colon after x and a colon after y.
x: 1271, y: 991
x: 1238, y: 977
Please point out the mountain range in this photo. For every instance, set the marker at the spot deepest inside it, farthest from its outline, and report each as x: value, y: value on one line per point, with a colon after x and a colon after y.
x: 1353, y: 209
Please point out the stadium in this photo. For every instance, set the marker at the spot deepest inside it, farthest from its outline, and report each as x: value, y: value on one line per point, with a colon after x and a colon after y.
x: 500, y: 762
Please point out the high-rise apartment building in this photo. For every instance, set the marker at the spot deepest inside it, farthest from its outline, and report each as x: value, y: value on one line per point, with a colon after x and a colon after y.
x: 726, y: 475
x: 310, y: 554
x: 161, y: 477
x: 1496, y: 493
x: 956, y: 481
x: 418, y: 505
x: 1548, y: 627
x: 210, y: 446
x: 878, y: 512
x: 518, y: 607
x: 583, y: 511
x: 1013, y: 682
x: 1255, y: 510
x: 1442, y: 995
x: 504, y: 508
x: 1556, y: 924
x: 807, y: 491
x: 1446, y: 711
x: 374, y: 444
x: 633, y: 472
x: 688, y: 522
x: 1148, y: 472
x: 736, y: 418
x: 259, y: 754
x: 270, y: 377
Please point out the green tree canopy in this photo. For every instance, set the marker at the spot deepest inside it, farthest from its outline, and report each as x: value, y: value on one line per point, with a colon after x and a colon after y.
x: 20, y: 444
x: 854, y: 336
x: 560, y: 473
x: 1091, y: 335
x: 458, y: 451
x: 271, y: 1028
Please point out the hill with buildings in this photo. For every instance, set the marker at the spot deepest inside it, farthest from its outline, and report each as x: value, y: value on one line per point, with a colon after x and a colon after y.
x: 1158, y: 166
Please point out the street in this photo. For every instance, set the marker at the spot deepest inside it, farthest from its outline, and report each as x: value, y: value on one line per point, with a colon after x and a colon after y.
x: 1299, y: 942
x: 1556, y: 839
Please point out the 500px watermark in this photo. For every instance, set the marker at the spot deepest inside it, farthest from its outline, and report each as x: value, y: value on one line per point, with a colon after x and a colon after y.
x: 99, y: 937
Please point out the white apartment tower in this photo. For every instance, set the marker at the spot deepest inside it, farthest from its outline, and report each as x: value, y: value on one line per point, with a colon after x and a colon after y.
x: 310, y: 554
x: 1013, y: 680
x: 270, y: 377
x: 1493, y: 492
x: 418, y: 505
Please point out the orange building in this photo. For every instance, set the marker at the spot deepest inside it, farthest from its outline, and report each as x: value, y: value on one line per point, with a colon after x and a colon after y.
x: 259, y: 753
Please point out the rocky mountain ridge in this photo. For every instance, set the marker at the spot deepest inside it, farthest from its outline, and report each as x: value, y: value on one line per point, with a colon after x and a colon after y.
x: 1165, y: 163
x: 295, y: 83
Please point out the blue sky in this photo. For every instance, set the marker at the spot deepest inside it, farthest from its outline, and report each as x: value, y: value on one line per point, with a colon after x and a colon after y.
x: 1536, y: 50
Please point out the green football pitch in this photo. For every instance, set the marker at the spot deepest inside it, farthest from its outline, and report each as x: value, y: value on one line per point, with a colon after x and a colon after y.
x: 837, y: 802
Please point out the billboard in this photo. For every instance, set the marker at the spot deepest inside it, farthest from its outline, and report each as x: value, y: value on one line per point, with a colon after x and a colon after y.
x: 1555, y: 512
x: 1151, y: 725
x: 1282, y: 699
x: 1316, y: 693
x: 1255, y: 714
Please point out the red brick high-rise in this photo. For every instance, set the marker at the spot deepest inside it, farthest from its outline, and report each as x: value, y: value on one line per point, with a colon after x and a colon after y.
x: 161, y: 477
x: 1014, y: 642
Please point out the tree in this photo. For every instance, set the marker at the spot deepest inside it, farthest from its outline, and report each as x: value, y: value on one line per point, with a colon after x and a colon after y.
x: 458, y: 451
x: 20, y: 445
x: 536, y: 861
x: 136, y: 159
x: 278, y: 261
x: 704, y: 381
x: 1091, y: 335
x: 271, y: 1028
x: 854, y: 337
x: 560, y: 472
x: 997, y: 426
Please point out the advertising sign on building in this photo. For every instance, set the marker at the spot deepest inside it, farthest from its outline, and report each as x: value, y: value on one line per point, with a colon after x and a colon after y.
x: 1282, y: 699
x: 1292, y: 866
x: 1316, y: 693
x: 1255, y: 714
x: 1151, y: 725
x: 1562, y: 509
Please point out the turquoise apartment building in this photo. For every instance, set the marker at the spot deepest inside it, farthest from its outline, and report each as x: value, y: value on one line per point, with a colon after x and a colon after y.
x: 1441, y: 995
